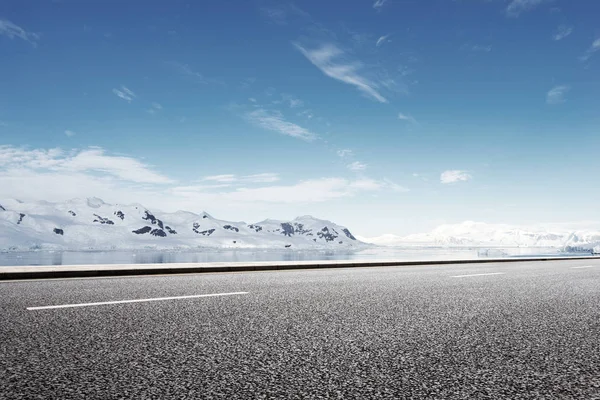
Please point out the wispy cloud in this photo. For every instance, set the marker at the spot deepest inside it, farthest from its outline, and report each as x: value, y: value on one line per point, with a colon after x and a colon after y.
x: 275, y: 121
x: 325, y: 58
x: 408, y: 118
x: 591, y: 50
x: 357, y: 166
x: 12, y: 31
x: 345, y: 153
x: 93, y: 159
x: 556, y: 95
x: 69, y: 133
x: 292, y: 101
x: 453, y: 176
x: 267, y: 177
x: 125, y: 94
x: 382, y: 40
x: 562, y: 32
x: 225, y: 178
x: 483, y: 48
x: 187, y: 71
x: 517, y: 7
x: 154, y: 107
x: 378, y: 4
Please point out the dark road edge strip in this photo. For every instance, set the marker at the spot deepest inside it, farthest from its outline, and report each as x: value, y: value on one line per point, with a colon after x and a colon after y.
x: 138, y: 269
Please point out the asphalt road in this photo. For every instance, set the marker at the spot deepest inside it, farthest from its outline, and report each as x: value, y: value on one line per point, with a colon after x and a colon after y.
x: 526, y: 330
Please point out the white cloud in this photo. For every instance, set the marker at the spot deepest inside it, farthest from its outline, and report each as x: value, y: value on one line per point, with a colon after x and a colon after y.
x: 324, y: 59
x: 453, y: 176
x: 125, y: 94
x: 59, y: 175
x: 556, y: 95
x: 406, y: 117
x: 274, y: 121
x: 91, y: 160
x: 69, y: 133
x: 517, y: 7
x: 12, y: 31
x: 357, y: 166
x: 220, y: 178
x: 266, y: 177
x: 395, y: 187
x: 306, y: 113
x: 345, y: 153
x: 481, y: 48
x: 378, y: 4
x: 562, y: 32
x: 154, y: 107
x: 252, y: 99
x: 591, y: 50
x: 292, y: 101
x: 382, y: 40
x: 309, y: 191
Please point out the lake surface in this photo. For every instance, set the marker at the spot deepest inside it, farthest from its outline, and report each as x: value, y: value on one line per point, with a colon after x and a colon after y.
x: 161, y: 257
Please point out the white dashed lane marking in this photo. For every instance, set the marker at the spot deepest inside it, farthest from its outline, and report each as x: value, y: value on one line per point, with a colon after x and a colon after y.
x: 470, y: 275
x: 104, y: 303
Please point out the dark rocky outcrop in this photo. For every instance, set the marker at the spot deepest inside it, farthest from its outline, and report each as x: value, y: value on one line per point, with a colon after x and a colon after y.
x: 143, y: 230
x: 59, y: 231
x: 299, y: 229
x: 288, y: 245
x: 256, y: 228
x: 171, y: 231
x: 231, y: 228
x: 153, y: 219
x: 21, y: 216
x: 348, y: 234
x: 102, y: 220
x: 287, y: 229
x: 2, y: 208
x: 327, y: 235
x: 73, y: 214
x: 158, y: 232
x: 205, y: 233
x: 120, y: 214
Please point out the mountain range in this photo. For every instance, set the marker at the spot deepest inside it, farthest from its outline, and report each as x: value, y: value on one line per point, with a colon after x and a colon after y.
x: 479, y: 234
x: 92, y: 224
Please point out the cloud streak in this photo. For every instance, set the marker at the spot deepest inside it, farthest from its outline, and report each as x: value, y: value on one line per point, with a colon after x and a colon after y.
x: 357, y: 166
x: 327, y: 59
x: 275, y: 121
x: 591, y: 50
x: 378, y: 4
x: 382, y: 40
x: 517, y: 7
x: 124, y: 93
x: 267, y: 177
x: 12, y: 31
x: 556, y: 95
x: 562, y: 32
x: 91, y: 160
x: 454, y: 176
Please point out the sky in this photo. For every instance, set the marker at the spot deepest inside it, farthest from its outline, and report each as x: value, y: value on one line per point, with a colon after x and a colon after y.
x: 387, y: 116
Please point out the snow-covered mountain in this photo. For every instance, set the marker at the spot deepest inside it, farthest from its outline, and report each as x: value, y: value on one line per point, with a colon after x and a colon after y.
x: 479, y: 234
x: 93, y: 224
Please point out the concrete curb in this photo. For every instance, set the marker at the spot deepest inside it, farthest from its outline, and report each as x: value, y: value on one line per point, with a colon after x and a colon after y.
x: 83, y: 271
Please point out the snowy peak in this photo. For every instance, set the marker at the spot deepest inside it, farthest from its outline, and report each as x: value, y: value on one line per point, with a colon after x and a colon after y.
x: 93, y: 224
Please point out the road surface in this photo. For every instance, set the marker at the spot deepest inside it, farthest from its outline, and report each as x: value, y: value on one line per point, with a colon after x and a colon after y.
x: 527, y: 330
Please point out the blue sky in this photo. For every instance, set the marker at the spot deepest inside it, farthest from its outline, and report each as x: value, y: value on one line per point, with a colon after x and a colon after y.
x: 388, y: 116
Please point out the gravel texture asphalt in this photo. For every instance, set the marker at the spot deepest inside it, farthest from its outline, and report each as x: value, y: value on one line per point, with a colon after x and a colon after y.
x: 530, y: 331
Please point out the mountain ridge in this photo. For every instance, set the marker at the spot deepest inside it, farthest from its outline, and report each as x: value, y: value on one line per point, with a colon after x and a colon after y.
x: 92, y: 224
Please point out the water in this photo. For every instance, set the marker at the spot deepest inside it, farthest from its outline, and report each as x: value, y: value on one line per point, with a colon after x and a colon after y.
x: 162, y: 257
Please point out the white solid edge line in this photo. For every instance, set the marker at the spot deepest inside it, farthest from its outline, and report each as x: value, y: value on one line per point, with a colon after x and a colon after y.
x: 133, y: 301
x: 466, y: 276
x: 584, y: 266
